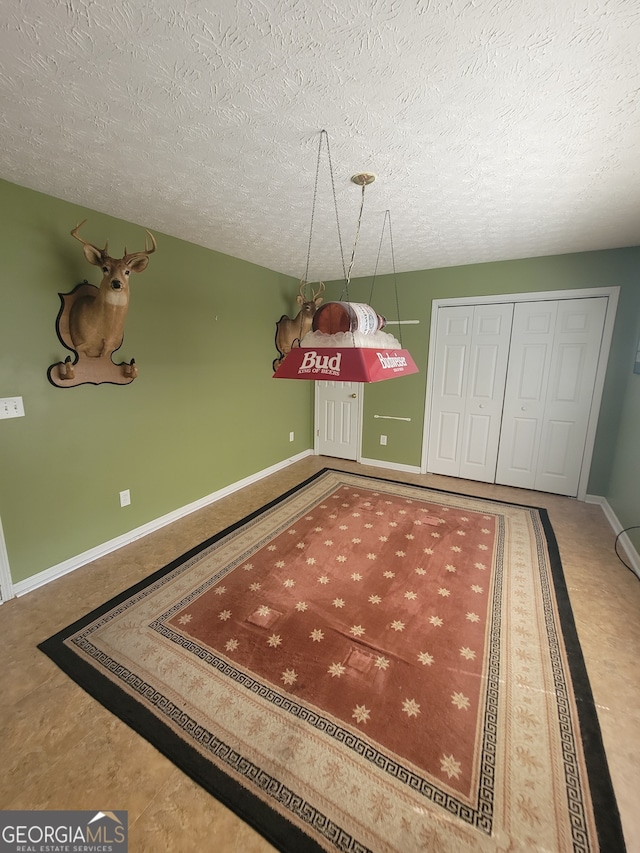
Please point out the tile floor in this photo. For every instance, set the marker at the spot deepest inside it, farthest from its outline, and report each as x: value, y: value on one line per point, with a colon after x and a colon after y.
x: 61, y: 750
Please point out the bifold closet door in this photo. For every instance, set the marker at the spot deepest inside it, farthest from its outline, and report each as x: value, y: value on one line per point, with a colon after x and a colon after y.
x: 471, y: 355
x: 555, y: 347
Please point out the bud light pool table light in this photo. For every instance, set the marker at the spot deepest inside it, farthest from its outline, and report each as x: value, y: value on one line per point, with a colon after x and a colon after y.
x: 346, y: 364
x: 347, y: 342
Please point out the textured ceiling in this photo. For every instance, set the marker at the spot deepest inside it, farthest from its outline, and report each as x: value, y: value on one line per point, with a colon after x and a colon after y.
x: 497, y: 128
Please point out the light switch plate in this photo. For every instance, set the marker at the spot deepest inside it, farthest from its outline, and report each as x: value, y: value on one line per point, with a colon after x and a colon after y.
x: 11, y: 407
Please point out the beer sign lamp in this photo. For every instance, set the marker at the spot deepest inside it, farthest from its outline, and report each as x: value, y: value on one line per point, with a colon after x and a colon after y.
x: 329, y: 351
x: 346, y: 364
x: 346, y: 341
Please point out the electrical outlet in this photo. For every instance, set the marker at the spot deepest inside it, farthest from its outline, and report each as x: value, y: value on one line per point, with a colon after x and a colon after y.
x: 292, y: 435
x: 125, y: 498
x: 383, y: 439
x: 11, y: 407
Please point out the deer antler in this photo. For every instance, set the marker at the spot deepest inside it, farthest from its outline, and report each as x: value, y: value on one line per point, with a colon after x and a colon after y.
x: 314, y: 293
x: 317, y: 292
x: 84, y: 242
x: 146, y: 252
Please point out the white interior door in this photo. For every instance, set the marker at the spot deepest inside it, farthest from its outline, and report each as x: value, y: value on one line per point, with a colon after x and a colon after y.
x: 549, y: 393
x: 472, y: 349
x: 338, y: 416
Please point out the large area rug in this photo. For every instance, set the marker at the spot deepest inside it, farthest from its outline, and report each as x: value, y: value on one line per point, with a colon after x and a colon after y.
x: 366, y: 665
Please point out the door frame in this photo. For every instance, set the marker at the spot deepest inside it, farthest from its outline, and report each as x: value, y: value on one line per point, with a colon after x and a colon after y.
x: 612, y: 294
x: 359, y: 410
x: 6, y: 582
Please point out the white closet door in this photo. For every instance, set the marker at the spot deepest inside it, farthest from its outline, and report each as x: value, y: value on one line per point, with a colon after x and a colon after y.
x: 525, y: 392
x: 552, y: 366
x: 453, y: 340
x: 574, y: 362
x: 472, y: 348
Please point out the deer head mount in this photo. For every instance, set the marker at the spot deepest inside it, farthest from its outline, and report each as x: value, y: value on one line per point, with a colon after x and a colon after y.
x: 91, y: 320
x: 290, y: 331
x: 96, y: 323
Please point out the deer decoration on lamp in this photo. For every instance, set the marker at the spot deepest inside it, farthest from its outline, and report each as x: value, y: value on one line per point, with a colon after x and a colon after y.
x: 290, y: 331
x: 91, y: 319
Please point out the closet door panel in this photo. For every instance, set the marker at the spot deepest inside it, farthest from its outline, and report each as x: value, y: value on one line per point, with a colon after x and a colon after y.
x: 525, y: 392
x: 488, y: 359
x: 559, y: 436
x: 471, y: 355
x: 522, y: 446
x: 453, y: 339
x: 572, y: 372
x: 448, y: 432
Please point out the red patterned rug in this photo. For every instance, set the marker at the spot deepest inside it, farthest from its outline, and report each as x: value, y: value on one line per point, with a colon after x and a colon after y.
x: 366, y: 665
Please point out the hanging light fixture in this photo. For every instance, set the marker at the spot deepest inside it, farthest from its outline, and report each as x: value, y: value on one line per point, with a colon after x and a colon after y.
x: 347, y: 341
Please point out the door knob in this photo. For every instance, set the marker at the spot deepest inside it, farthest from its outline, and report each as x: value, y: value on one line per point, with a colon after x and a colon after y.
x: 523, y: 409
x: 481, y: 406
x: 354, y: 396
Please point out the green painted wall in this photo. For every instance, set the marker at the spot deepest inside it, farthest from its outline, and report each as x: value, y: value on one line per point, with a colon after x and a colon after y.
x: 203, y: 413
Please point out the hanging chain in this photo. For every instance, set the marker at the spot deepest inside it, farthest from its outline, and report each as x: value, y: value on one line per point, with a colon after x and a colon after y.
x: 347, y: 278
x: 324, y: 135
x: 335, y: 205
x: 395, y: 283
x: 313, y: 210
x: 387, y: 215
x: 375, y: 271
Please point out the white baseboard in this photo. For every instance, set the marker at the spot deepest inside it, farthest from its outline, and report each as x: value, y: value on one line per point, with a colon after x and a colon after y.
x: 393, y: 466
x: 624, y: 542
x: 44, y: 577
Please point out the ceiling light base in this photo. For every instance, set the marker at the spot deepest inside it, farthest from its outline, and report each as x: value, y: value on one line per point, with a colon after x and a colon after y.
x: 363, y: 179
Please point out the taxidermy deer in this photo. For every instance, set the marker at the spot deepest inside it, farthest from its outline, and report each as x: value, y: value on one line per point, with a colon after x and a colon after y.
x: 290, y: 331
x: 96, y: 321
